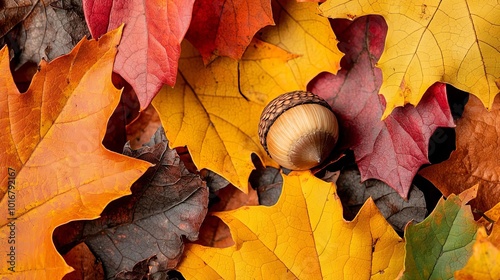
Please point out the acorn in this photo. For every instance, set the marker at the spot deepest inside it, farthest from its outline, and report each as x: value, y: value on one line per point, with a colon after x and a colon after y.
x: 298, y: 130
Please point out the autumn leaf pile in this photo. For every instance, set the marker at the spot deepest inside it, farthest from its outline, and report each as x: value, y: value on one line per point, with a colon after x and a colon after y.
x: 133, y: 153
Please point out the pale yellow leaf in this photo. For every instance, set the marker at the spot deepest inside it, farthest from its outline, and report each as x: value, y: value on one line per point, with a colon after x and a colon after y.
x: 484, y: 263
x: 451, y: 41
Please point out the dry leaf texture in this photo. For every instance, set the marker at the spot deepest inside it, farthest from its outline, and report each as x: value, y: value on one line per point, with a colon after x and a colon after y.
x: 302, y: 236
x: 150, y: 48
x: 391, y: 150
x: 59, y: 169
x: 41, y: 29
x: 447, y: 41
x: 167, y: 203
x: 476, y: 159
x: 225, y: 28
x: 397, y: 211
x: 215, y: 110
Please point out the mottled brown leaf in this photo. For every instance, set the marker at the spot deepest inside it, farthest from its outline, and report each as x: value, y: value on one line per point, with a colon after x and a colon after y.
x: 13, y: 12
x: 214, y: 232
x: 86, y: 266
x: 476, y: 159
x: 144, y: 270
x: 140, y: 130
x: 41, y: 29
x: 126, y: 111
x: 214, y: 181
x: 268, y: 183
x: 167, y: 202
x: 393, y: 207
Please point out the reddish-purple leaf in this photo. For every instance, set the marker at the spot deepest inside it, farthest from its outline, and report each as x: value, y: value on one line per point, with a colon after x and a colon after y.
x: 393, y: 149
x: 225, y: 28
x: 97, y: 15
x: 150, y: 47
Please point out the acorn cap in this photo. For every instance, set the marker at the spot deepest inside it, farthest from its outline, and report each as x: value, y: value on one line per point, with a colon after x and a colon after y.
x: 281, y: 104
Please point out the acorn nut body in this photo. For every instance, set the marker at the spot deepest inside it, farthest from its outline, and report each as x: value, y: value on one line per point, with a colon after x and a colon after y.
x: 298, y: 130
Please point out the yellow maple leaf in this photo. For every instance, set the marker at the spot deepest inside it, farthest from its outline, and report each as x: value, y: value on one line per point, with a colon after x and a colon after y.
x: 54, y: 168
x: 215, y: 110
x: 450, y: 41
x: 484, y: 263
x: 302, y: 236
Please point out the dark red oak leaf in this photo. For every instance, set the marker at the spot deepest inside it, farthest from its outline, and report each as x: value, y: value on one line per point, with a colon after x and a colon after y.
x: 225, y: 28
x: 150, y: 47
x: 393, y: 149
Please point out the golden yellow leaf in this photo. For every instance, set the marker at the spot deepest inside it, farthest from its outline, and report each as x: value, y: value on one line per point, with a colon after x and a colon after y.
x: 491, y: 215
x: 302, y: 236
x: 484, y: 263
x: 55, y: 168
x: 450, y: 41
x: 215, y: 110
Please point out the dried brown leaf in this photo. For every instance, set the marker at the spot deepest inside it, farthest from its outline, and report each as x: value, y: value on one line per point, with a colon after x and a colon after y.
x: 41, y: 29
x: 393, y: 207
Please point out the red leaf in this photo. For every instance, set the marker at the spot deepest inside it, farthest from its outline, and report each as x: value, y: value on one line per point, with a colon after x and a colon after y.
x: 150, y: 47
x: 225, y: 28
x: 393, y: 149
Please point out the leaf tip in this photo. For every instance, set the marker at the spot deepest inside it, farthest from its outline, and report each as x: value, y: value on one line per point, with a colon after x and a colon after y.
x: 469, y: 194
x: 4, y: 55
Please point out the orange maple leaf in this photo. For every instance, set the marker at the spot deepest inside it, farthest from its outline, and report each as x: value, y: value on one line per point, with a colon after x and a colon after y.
x: 54, y: 167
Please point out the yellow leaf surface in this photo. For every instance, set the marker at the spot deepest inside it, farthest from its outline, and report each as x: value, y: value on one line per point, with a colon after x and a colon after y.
x: 491, y: 215
x: 302, y: 236
x: 54, y: 168
x: 215, y: 110
x: 484, y: 263
x: 452, y: 41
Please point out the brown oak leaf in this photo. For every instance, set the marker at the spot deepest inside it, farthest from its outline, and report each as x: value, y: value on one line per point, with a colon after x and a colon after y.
x: 396, y: 210
x: 476, y: 159
x: 167, y: 203
x: 41, y: 29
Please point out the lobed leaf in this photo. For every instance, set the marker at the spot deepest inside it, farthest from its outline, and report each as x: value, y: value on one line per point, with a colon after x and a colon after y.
x: 225, y: 28
x: 442, y: 243
x: 52, y: 138
x: 302, y: 236
x: 448, y: 41
x: 150, y: 49
x: 476, y: 159
x: 167, y: 203
x: 214, y: 110
x: 391, y: 150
